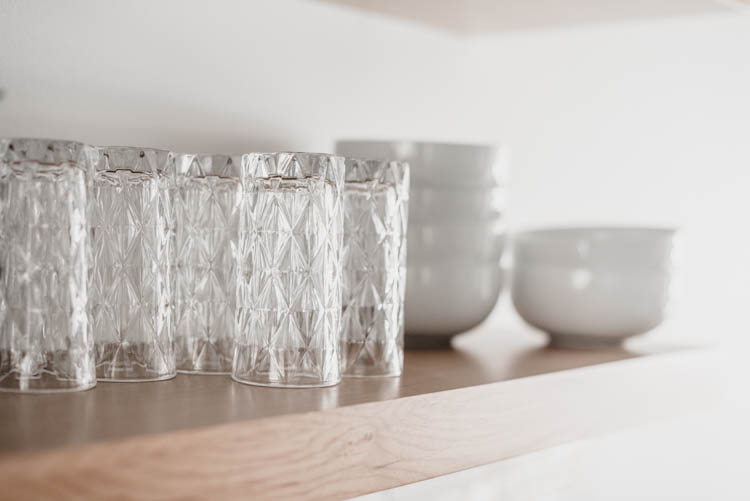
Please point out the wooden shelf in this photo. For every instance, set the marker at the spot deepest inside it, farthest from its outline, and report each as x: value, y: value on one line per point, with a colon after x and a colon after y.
x: 498, y: 394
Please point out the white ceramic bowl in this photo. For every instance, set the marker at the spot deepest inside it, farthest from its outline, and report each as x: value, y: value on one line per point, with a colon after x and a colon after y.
x: 437, y: 164
x: 481, y: 241
x: 455, y: 234
x: 444, y: 298
x: 451, y: 205
x: 590, y: 287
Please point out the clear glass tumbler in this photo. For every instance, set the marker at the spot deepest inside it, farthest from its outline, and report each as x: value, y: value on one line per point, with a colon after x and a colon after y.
x: 130, y: 277
x: 45, y: 344
x: 289, y: 270
x: 376, y: 195
x: 206, y: 204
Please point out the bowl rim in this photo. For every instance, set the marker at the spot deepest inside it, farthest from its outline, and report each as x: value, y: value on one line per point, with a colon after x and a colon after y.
x: 477, y: 224
x: 470, y: 191
x: 421, y: 144
x: 598, y: 232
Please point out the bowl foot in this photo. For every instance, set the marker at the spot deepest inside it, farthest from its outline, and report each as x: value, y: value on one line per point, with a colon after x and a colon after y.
x: 431, y: 342
x: 583, y: 342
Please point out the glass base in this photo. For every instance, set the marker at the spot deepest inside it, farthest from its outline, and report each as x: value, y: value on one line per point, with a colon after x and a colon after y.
x: 287, y: 367
x: 291, y: 384
x: 365, y: 375
x: 203, y: 373
x: 45, y: 383
x: 131, y: 362
x: 136, y: 379
x: 204, y: 357
x: 369, y: 358
x: 218, y: 367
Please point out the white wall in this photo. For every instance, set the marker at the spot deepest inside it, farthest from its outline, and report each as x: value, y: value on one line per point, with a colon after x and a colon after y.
x: 636, y: 123
x: 220, y: 75
x: 644, y: 123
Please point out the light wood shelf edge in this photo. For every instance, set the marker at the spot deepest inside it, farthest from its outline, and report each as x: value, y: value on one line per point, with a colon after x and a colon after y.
x: 349, y: 451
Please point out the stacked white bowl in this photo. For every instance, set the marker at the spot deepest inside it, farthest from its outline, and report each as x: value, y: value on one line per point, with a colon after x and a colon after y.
x: 456, y: 233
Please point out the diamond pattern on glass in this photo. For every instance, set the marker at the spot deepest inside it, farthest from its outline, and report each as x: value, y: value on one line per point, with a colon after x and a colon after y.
x: 130, y: 280
x: 376, y: 196
x: 45, y: 344
x: 206, y: 205
x: 289, y: 270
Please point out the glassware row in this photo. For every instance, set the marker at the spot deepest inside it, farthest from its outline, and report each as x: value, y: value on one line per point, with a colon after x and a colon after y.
x: 130, y: 264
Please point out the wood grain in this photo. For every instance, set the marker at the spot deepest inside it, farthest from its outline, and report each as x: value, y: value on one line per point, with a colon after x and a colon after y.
x: 356, y: 449
x: 120, y: 410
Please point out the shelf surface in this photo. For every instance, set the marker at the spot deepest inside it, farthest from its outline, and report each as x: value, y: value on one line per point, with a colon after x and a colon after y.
x: 119, y: 410
x: 499, y: 393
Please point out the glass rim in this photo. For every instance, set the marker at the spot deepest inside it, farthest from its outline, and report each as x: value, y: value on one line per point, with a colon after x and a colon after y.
x: 380, y: 160
x: 165, y: 159
x: 133, y: 148
x: 307, y: 154
x: 383, y: 171
x: 179, y: 154
x: 184, y: 160
x: 49, y: 140
x: 294, y: 165
x: 251, y: 153
x: 41, y: 153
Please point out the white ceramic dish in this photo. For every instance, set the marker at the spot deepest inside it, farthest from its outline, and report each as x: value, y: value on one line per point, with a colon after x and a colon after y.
x: 456, y: 232
x: 600, y: 248
x: 437, y: 164
x: 446, y: 298
x: 592, y: 287
x: 449, y: 205
x: 481, y: 242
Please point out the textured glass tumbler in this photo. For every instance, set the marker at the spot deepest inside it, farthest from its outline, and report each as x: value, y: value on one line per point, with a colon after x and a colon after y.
x: 206, y: 204
x: 289, y: 270
x: 130, y: 279
x: 45, y: 344
x: 376, y: 194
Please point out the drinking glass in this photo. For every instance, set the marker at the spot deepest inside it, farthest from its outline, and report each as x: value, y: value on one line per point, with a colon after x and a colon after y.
x: 206, y: 204
x: 289, y: 270
x: 376, y: 194
x: 130, y: 280
x: 45, y: 344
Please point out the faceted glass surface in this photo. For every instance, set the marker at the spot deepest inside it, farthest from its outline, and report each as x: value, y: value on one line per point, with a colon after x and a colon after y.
x: 130, y: 280
x: 206, y: 203
x: 45, y: 344
x: 376, y: 194
x: 289, y: 270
